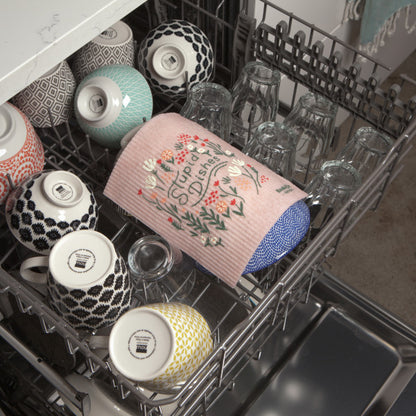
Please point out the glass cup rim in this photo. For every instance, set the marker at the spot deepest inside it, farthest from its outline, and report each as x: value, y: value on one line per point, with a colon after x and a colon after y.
x: 251, y: 68
x: 329, y: 111
x: 221, y: 93
x: 347, y: 167
x: 364, y: 132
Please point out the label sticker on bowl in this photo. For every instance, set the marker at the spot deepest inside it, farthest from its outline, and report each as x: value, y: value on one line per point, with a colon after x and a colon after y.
x: 142, y: 344
x: 109, y: 33
x: 97, y: 103
x: 170, y: 61
x: 62, y: 191
x: 81, y: 260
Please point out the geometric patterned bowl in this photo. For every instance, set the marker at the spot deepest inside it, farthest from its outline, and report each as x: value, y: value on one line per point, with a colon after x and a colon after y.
x: 114, y: 46
x: 160, y: 345
x: 110, y: 101
x: 173, y: 52
x: 287, y: 232
x: 48, y: 205
x: 47, y: 101
x: 88, y: 281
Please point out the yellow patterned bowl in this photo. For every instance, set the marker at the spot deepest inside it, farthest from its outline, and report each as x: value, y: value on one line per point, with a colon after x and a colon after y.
x: 161, y: 345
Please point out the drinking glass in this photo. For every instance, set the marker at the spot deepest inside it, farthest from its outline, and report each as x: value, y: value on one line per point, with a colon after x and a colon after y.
x: 160, y: 272
x: 209, y: 105
x: 366, y: 150
x: 313, y: 120
x: 274, y: 145
x: 329, y: 191
x: 255, y: 99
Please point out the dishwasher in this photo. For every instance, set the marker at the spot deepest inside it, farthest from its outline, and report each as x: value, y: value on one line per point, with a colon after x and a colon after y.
x: 291, y: 339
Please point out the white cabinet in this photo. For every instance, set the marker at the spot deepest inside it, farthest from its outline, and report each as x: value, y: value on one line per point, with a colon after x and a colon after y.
x: 37, y: 35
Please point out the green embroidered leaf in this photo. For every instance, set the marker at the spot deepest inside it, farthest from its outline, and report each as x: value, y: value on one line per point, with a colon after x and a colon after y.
x: 218, y: 150
x: 165, y: 167
x: 239, y: 211
x: 212, y: 218
x: 177, y: 225
x: 179, y: 146
x: 226, y: 180
x: 195, y: 223
x: 226, y: 214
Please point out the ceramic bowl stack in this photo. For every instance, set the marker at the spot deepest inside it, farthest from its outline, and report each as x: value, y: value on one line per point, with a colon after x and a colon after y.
x: 173, y: 53
x: 21, y: 151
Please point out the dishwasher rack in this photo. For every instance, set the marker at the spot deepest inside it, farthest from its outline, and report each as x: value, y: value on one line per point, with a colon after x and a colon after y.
x: 309, y: 58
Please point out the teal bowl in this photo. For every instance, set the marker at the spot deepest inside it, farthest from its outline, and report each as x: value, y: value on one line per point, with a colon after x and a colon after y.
x: 111, y: 101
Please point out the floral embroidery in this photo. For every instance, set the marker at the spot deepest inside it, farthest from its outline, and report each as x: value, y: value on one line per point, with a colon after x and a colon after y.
x: 213, y: 196
x: 149, y: 165
x: 218, y: 197
x: 234, y: 171
x: 151, y: 182
x: 167, y: 155
x: 221, y: 206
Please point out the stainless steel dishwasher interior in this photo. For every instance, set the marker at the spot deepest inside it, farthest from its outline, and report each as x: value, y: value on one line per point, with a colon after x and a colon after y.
x: 340, y: 354
x: 336, y: 354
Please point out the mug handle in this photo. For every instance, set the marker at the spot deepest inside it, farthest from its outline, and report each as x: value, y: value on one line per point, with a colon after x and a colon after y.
x: 98, y: 342
x: 31, y: 276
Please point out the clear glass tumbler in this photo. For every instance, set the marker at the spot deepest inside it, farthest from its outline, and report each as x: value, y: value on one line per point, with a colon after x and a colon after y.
x: 366, y: 150
x: 209, y: 105
x: 313, y: 120
x: 274, y: 145
x: 255, y: 99
x: 160, y: 272
x: 329, y: 191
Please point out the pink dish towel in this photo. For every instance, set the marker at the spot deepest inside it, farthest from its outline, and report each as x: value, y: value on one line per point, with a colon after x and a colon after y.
x: 200, y: 193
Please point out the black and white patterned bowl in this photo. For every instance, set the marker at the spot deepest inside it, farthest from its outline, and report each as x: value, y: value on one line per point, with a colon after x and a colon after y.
x: 173, y: 52
x: 114, y: 46
x: 88, y: 282
x: 47, y: 101
x: 47, y: 206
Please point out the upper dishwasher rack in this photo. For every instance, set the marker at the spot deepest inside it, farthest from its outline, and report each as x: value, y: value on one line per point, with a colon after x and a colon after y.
x: 295, y: 48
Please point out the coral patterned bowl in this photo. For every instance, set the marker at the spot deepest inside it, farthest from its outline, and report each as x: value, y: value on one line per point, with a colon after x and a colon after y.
x: 21, y: 151
x: 174, y: 52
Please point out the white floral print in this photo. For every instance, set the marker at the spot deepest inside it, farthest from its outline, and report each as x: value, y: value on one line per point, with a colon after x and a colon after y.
x: 234, y: 171
x: 238, y: 162
x: 151, y: 182
x: 149, y: 165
